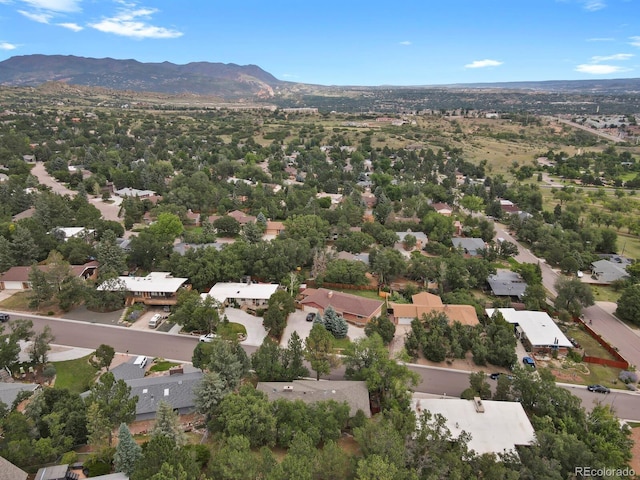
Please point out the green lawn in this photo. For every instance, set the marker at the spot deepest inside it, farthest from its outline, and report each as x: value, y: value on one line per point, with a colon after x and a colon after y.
x: 231, y: 330
x: 75, y: 375
x: 340, y: 343
x: 604, y: 293
x: 361, y: 293
x: 162, y: 366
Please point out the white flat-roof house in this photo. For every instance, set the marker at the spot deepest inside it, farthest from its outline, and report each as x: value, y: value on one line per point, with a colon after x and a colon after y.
x: 250, y: 294
x: 495, y: 427
x: 536, y: 329
x: 157, y: 288
x: 66, y: 233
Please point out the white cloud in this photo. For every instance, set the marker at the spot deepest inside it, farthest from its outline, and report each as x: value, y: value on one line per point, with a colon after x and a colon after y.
x: 405, y: 42
x: 71, y: 26
x: 129, y: 24
x: 635, y: 41
x: 483, y: 64
x: 608, y: 58
x: 55, y: 5
x: 594, y: 5
x: 40, y: 17
x: 599, y: 69
x: 7, y: 46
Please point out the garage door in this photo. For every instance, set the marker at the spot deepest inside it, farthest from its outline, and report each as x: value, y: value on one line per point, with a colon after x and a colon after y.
x: 405, y: 320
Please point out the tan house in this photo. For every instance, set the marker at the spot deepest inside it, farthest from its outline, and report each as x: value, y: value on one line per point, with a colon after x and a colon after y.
x: 274, y: 228
x: 17, y: 278
x: 355, y: 309
x: 425, y: 303
x: 442, y: 209
x: 8, y: 471
x: 242, y: 217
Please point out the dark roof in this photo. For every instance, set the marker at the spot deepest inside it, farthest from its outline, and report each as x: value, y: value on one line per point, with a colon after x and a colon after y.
x: 505, y: 283
x: 57, y: 472
x: 469, y: 245
x: 8, y: 471
x: 127, y: 371
x: 355, y: 393
x: 606, y: 271
x: 176, y: 390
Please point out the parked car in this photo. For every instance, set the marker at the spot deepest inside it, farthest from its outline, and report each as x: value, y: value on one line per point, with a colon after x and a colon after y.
x: 598, y: 388
x: 528, y: 361
x: 208, y: 337
x: 311, y: 317
x: 4, y: 317
x: 496, y: 375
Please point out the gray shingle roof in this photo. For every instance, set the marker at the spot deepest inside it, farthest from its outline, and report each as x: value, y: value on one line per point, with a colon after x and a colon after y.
x: 606, y: 271
x: 8, y: 471
x: 355, y: 393
x: 9, y: 391
x: 176, y: 390
x: 507, y: 283
x: 469, y: 245
x: 127, y: 371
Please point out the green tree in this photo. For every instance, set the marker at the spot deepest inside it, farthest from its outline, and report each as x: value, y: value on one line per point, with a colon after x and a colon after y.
x: 167, y: 227
x: 168, y: 424
x: 227, y: 226
x: 535, y: 297
x: 234, y: 460
x: 352, y: 272
x: 128, y: 452
x: 629, y: 304
x: 209, y: 392
x: 387, y: 263
x: 24, y: 248
x: 267, y: 362
x: 573, y: 295
x: 41, y: 290
x: 383, y: 327
x: 98, y: 428
x: 293, y: 359
x: 388, y: 381
x: 10, y: 342
x: 279, y: 306
x: 312, y: 228
x: 110, y: 256
x: 472, y: 203
x: 478, y: 386
x: 103, y: 356
x: 318, y: 348
x: 252, y: 232
x: 335, y: 323
x: 113, y: 400
x: 40, y: 345
x: 375, y: 467
x: 6, y: 255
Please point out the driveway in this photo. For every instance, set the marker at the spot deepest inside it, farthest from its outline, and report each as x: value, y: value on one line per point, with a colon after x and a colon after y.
x: 255, y: 331
x: 297, y: 323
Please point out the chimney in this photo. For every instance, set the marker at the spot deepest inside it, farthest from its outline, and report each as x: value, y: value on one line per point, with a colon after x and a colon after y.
x: 330, y: 294
x: 176, y: 371
x: 477, y: 402
x: 287, y: 388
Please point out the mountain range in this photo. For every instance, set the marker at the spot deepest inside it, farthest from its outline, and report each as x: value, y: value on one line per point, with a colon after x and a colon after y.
x: 231, y: 81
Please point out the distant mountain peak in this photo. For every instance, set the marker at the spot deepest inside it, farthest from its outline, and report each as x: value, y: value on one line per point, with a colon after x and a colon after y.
x: 200, y: 78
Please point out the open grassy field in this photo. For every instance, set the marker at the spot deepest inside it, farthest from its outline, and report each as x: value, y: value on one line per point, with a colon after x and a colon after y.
x: 75, y: 375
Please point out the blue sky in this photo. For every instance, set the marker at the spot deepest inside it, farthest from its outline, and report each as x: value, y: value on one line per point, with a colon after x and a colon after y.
x: 347, y: 42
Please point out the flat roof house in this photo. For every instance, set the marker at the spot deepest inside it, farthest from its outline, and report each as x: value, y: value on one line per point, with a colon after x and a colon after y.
x: 354, y: 393
x: 354, y: 309
x: 495, y: 427
x: 157, y: 288
x: 425, y: 303
x: 250, y: 294
x: 537, y: 329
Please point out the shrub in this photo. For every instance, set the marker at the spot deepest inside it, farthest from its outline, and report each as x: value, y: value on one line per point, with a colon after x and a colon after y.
x: 69, y: 458
x: 574, y: 356
x: 628, y: 377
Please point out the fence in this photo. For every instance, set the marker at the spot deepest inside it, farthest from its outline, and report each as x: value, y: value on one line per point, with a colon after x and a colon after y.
x: 620, y: 361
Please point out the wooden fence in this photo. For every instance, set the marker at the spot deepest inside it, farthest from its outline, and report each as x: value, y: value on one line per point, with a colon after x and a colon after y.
x: 619, y: 361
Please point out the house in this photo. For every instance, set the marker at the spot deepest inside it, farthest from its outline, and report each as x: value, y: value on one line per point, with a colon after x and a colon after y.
x: 134, y: 192
x: 505, y: 283
x: 354, y: 393
x: 193, y: 218
x: 606, y: 271
x: 442, y: 209
x: 176, y: 389
x: 183, y: 247
x: 29, y: 158
x: 56, y: 472
x: 537, y: 330
x: 65, y: 233
x: 354, y: 309
x: 469, y: 246
x: 421, y: 238
x: 128, y: 371
x: 494, y: 427
x: 336, y: 198
x: 4, y: 177
x: 157, y: 288
x: 8, y: 471
x: 425, y: 303
x: 241, y: 294
x: 273, y: 230
x: 10, y: 391
x: 17, y: 278
x: 242, y: 217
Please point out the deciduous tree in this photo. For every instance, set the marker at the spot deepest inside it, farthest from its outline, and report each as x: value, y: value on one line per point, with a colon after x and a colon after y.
x: 318, y: 350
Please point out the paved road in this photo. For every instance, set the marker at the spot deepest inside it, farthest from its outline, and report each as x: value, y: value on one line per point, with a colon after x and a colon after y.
x: 438, y: 381
x: 549, y: 276
x: 593, y: 131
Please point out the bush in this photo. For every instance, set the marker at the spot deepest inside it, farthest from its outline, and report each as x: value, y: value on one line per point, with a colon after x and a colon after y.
x: 574, y: 356
x: 69, y: 458
x: 628, y: 377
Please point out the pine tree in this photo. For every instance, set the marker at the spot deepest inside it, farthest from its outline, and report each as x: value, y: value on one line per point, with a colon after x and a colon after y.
x: 293, y: 359
x: 127, y: 451
x: 335, y: 323
x: 167, y: 424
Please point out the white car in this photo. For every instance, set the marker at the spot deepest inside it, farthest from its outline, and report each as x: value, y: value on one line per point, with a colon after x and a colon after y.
x: 208, y: 337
